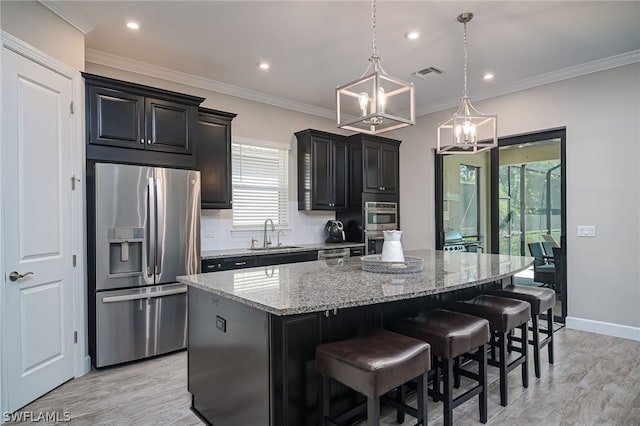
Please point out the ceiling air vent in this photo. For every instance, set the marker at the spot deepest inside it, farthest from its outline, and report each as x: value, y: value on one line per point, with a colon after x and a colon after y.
x: 424, y: 73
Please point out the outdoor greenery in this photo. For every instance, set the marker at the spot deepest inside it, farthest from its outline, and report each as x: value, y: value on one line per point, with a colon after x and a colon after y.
x: 528, y: 198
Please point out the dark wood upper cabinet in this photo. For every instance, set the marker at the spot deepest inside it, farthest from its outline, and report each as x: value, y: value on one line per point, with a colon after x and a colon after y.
x: 132, y: 123
x: 213, y: 158
x: 323, y: 171
x: 168, y: 128
x: 117, y: 118
x: 378, y: 159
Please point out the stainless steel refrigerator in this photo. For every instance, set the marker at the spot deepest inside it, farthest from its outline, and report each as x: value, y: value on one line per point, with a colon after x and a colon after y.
x: 146, y: 225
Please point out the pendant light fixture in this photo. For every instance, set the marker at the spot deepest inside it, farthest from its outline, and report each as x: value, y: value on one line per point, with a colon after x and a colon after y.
x: 376, y: 102
x: 468, y: 131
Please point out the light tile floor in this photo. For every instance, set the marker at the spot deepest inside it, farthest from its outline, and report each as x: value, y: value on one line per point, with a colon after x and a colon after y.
x: 594, y: 381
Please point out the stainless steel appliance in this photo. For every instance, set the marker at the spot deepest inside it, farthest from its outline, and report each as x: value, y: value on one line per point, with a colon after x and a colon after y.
x: 334, y: 232
x: 336, y: 253
x: 378, y: 216
x: 147, y: 232
x: 453, y: 241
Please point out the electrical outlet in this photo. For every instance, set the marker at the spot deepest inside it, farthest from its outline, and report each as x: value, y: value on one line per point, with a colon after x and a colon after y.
x: 586, y: 231
x: 209, y: 232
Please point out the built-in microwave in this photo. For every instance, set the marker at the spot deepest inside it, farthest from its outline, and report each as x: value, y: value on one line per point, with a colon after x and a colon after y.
x: 378, y: 216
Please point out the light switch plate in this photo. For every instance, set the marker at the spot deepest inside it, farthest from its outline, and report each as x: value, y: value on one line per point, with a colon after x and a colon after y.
x: 586, y: 231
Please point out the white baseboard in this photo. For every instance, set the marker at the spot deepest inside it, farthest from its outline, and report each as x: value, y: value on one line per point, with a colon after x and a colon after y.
x: 87, y: 365
x: 606, y: 328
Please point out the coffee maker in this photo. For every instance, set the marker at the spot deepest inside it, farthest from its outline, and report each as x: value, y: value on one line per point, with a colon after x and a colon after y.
x: 334, y: 231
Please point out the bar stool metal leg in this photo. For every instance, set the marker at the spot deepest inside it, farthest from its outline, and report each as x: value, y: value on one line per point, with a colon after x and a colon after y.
x: 422, y: 399
x: 536, y: 345
x: 525, y: 353
x: 326, y: 400
x: 550, y: 330
x: 447, y: 367
x: 373, y: 411
x: 482, y: 372
x: 502, y: 350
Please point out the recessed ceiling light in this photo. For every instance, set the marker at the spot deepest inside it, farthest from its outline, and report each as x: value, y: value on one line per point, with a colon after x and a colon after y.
x: 488, y: 76
x: 133, y: 25
x: 412, y: 35
x: 263, y: 66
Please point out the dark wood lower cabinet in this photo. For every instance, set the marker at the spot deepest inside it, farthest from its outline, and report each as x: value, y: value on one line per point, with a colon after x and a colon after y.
x: 247, y: 366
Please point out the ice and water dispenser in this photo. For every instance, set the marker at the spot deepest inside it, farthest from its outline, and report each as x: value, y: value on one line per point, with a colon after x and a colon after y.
x: 125, y: 252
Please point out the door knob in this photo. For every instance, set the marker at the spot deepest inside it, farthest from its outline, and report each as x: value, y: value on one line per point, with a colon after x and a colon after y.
x: 14, y: 276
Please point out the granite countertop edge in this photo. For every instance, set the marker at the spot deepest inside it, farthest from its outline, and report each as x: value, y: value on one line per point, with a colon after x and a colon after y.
x: 297, y: 248
x: 319, y: 307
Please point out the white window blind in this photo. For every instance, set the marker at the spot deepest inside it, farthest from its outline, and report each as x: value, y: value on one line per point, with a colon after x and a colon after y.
x: 260, y: 186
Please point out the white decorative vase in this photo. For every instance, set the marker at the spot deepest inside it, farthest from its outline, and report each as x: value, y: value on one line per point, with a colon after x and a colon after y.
x: 392, y: 247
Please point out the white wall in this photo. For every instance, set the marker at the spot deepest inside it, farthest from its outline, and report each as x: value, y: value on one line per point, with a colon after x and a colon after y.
x: 601, y: 112
x: 38, y: 26
x: 254, y: 121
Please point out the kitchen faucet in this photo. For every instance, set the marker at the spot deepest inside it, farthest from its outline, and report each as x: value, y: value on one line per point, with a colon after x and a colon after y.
x: 266, y: 243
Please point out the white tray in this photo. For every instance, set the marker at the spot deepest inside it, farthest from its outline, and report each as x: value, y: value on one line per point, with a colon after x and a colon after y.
x: 372, y: 263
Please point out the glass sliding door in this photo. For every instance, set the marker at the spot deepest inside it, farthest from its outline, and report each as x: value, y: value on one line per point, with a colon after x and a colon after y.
x: 528, y: 195
x: 463, y: 201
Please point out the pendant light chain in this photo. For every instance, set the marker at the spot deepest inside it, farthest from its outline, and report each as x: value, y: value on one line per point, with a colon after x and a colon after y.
x: 465, y: 60
x: 374, y: 49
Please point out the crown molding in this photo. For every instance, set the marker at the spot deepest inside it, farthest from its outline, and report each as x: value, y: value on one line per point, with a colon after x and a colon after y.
x: 36, y: 55
x: 67, y: 12
x: 615, y: 61
x: 138, y: 67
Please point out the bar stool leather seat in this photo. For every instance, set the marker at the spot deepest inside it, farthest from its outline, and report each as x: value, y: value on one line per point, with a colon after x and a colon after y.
x: 450, y: 334
x: 373, y: 365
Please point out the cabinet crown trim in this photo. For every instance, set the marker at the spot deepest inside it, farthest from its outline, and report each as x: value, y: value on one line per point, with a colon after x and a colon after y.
x: 140, y: 89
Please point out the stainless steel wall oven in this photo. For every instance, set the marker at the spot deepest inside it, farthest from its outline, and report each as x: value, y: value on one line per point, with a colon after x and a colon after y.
x: 378, y: 216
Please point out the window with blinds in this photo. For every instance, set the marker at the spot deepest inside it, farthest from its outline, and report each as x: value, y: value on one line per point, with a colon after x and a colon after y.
x: 260, y: 186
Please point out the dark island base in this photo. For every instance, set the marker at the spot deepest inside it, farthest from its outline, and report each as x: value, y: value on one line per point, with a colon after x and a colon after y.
x: 249, y: 367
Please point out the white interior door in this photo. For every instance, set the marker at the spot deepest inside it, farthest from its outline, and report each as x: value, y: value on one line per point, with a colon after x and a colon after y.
x: 36, y: 168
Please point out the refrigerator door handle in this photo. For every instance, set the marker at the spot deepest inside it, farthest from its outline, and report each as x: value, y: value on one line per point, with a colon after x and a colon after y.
x: 160, y: 224
x: 151, y: 226
x: 137, y: 296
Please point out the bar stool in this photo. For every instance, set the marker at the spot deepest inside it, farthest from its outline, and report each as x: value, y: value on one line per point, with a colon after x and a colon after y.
x: 541, y: 300
x: 504, y: 315
x: 450, y: 335
x: 375, y: 364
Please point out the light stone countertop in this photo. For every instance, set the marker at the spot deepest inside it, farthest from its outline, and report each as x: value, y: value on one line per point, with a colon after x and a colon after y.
x: 317, y: 286
x: 293, y: 248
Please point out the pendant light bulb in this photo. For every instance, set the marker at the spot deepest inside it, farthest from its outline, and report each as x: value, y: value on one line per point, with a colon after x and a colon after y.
x: 364, y: 102
x: 382, y: 100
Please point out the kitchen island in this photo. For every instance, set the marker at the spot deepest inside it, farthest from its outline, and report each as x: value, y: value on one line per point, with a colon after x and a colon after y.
x: 253, y: 332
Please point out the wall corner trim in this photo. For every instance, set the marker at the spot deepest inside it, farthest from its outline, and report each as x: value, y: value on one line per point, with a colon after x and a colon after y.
x: 606, y: 328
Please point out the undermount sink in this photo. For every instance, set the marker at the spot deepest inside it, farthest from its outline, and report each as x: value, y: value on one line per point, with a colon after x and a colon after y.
x: 274, y: 248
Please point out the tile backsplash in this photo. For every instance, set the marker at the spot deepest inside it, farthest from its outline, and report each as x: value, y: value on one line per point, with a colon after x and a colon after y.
x: 305, y: 227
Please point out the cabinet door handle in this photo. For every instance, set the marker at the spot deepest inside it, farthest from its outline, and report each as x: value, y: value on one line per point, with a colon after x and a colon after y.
x: 211, y: 267
x: 142, y: 141
x: 148, y: 141
x: 240, y: 263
